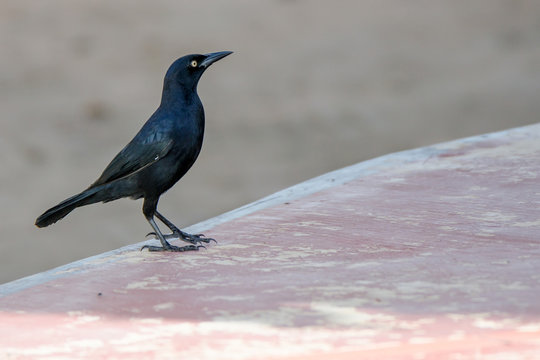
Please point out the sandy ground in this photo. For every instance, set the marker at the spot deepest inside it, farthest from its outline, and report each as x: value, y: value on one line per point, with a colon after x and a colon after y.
x: 311, y: 88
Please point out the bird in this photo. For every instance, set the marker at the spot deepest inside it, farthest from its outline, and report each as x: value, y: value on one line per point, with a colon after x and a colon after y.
x: 157, y: 157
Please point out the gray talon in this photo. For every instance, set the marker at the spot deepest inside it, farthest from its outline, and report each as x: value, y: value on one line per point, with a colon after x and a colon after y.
x: 171, y: 248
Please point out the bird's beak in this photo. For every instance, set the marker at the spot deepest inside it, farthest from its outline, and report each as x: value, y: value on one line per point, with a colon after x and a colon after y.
x: 213, y: 57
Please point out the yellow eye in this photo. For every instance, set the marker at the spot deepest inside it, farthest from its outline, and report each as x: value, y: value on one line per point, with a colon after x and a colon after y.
x: 193, y: 63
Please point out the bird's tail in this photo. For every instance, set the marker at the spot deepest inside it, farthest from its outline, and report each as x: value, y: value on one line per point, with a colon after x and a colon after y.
x: 65, y: 207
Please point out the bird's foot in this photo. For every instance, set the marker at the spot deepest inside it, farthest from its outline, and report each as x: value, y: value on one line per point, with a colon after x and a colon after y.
x: 196, y: 238
x: 189, y: 238
x: 173, y: 248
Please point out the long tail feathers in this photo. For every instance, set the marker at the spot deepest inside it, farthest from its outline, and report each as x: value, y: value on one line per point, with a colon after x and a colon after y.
x: 65, y: 207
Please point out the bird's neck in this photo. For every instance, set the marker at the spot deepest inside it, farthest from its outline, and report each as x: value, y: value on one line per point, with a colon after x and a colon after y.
x: 177, y: 95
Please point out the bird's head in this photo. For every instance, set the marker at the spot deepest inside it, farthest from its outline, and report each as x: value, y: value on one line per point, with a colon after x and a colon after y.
x: 187, y: 70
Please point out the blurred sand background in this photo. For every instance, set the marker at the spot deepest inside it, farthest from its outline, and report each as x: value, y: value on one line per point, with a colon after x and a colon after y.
x: 313, y: 86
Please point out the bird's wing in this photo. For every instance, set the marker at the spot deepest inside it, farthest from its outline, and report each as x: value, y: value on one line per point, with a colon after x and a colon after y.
x: 135, y: 156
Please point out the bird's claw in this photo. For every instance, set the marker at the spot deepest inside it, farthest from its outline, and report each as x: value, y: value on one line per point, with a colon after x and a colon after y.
x: 190, y: 238
x: 173, y: 248
x: 195, y: 238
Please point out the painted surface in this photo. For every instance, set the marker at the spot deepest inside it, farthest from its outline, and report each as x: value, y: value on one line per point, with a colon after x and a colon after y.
x: 433, y: 257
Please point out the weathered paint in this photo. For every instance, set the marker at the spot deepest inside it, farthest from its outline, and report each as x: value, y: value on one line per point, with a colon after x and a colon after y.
x: 431, y: 253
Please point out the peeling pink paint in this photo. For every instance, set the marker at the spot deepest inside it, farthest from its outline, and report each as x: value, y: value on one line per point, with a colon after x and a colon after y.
x: 436, y: 257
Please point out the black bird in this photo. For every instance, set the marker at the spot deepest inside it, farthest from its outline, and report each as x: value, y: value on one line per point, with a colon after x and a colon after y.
x: 157, y: 157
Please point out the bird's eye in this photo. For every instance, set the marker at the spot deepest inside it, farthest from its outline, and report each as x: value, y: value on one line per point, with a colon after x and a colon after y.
x: 194, y: 63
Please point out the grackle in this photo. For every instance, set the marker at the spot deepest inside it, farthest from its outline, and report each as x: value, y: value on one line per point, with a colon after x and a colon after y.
x: 157, y: 157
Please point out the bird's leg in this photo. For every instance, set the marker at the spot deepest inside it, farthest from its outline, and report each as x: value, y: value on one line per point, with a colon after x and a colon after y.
x: 149, y: 211
x: 179, y: 234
